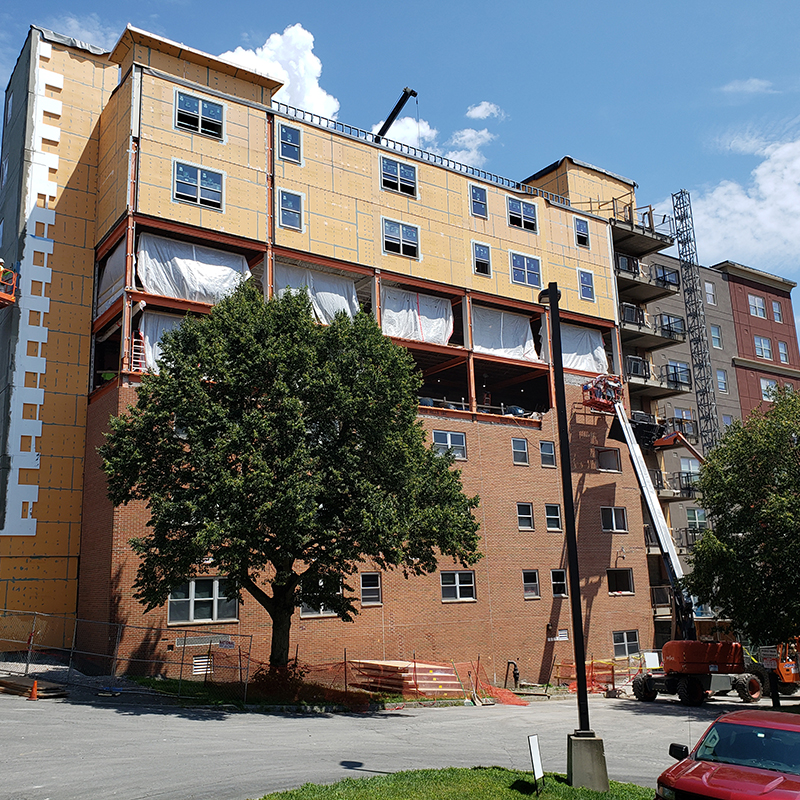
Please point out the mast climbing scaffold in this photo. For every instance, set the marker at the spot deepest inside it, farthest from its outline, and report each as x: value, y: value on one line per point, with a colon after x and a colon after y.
x: 8, y: 285
x: 707, y: 417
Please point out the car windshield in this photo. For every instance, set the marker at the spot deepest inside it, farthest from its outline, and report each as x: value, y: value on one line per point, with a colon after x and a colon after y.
x: 752, y: 746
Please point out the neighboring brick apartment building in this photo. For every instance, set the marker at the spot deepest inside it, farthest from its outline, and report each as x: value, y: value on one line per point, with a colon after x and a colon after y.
x: 144, y: 183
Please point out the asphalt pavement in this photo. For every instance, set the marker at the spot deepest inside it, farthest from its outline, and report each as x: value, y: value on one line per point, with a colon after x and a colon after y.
x: 77, y: 748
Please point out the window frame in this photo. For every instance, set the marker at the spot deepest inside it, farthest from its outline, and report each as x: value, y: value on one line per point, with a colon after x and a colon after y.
x: 473, y: 187
x: 763, y: 345
x: 618, y: 571
x: 368, y: 589
x: 582, y: 238
x: 281, y: 224
x: 777, y: 312
x: 308, y: 612
x: 281, y: 142
x: 523, y: 204
x: 476, y: 259
x: 710, y: 292
x: 192, y: 599
x: 768, y: 387
x: 457, y: 584
x: 563, y: 581
x: 549, y: 517
x: 601, y: 450
x: 200, y: 116
x: 727, y: 420
x: 783, y: 352
x: 582, y: 285
x: 400, y: 183
x: 700, y: 521
x: 512, y: 254
x: 614, y: 514
x: 543, y: 455
x: 716, y: 336
x: 523, y: 452
x: 758, y: 303
x: 440, y: 450
x: 626, y: 643
x: 522, y: 516
x: 722, y: 381
x: 527, y: 592
x: 184, y: 198
x: 417, y: 256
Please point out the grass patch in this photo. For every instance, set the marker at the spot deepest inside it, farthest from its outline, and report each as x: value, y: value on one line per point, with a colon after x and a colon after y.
x: 478, y: 783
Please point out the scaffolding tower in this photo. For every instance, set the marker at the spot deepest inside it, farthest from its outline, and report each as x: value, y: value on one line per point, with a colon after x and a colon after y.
x: 708, y: 421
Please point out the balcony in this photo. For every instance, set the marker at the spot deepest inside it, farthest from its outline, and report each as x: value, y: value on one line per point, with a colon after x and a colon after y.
x: 661, y: 600
x: 638, y: 329
x: 687, y: 483
x: 644, y: 381
x: 640, y: 283
x: 677, y: 377
x: 687, y: 427
x: 665, y: 485
x: 686, y: 538
x: 640, y: 231
x: 671, y: 327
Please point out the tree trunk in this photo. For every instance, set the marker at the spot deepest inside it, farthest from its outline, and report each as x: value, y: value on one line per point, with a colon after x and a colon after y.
x: 280, y: 607
x: 279, y: 647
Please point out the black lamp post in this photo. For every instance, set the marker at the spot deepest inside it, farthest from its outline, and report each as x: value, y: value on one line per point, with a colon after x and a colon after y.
x: 552, y: 295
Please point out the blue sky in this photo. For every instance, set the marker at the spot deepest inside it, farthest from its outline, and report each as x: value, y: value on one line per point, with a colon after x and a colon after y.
x: 697, y: 95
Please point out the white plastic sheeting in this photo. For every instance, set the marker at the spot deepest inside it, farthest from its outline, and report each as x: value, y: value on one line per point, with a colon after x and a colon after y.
x: 583, y: 349
x: 112, y: 278
x: 501, y: 333
x: 329, y: 293
x: 152, y: 327
x: 188, y: 271
x: 411, y: 315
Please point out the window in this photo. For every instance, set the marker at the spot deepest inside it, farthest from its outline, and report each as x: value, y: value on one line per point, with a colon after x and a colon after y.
x: 608, y: 460
x: 521, y: 214
x: 202, y: 600
x: 727, y: 420
x: 291, y: 215
x: 757, y: 306
x: 620, y: 581
x: 458, y: 585
x: 552, y: 514
x: 581, y: 233
x: 768, y: 386
x: 3, y: 172
x: 626, y: 643
x: 530, y: 583
x: 199, y: 186
x: 290, y: 143
x: 586, y: 285
x: 777, y: 311
x: 547, y: 451
x: 398, y: 177
x: 525, y: 269
x: 519, y: 450
x: 684, y: 413
x: 9, y: 106
x: 481, y: 263
x: 783, y: 352
x: 716, y: 337
x: 477, y: 204
x: 696, y: 519
x: 722, y: 380
x: 763, y: 347
x: 450, y: 440
x: 614, y: 519
x: 312, y: 608
x: 711, y: 293
x: 525, y: 516
x: 558, y: 578
x: 371, y: 589
x: 400, y: 239
x: 200, y: 116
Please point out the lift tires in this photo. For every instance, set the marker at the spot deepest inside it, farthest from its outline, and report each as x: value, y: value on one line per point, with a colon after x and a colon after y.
x: 763, y: 676
x: 641, y: 691
x: 788, y: 688
x: 749, y: 688
x: 690, y: 692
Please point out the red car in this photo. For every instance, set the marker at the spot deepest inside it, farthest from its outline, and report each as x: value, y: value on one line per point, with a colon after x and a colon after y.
x: 743, y: 754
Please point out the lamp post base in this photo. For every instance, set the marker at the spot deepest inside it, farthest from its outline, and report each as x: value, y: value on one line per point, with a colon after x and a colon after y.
x: 586, y: 761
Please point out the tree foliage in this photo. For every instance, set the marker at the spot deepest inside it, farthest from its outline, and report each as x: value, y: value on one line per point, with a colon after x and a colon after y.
x: 287, y: 453
x: 747, y: 566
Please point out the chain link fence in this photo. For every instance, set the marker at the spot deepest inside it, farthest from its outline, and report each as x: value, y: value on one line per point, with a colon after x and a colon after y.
x: 202, y: 663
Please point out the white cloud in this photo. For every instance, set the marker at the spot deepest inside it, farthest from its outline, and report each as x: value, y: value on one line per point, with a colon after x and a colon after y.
x: 289, y: 57
x: 757, y: 224
x: 468, y: 143
x: 484, y: 110
x: 417, y: 133
x: 750, y: 86
x: 89, y: 29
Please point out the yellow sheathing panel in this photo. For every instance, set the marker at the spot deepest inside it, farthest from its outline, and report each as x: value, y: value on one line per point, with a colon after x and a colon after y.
x: 115, y: 140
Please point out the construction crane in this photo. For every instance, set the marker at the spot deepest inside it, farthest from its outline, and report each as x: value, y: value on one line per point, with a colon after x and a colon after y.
x: 707, y: 418
x: 8, y: 285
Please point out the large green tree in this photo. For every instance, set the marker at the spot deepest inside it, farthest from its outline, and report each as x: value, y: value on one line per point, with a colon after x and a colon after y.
x: 284, y: 454
x: 747, y: 566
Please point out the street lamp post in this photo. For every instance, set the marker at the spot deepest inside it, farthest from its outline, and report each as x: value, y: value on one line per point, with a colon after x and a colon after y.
x: 586, y: 765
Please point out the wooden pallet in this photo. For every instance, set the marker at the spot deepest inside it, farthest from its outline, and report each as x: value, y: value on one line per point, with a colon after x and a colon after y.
x: 406, y: 678
x: 23, y: 685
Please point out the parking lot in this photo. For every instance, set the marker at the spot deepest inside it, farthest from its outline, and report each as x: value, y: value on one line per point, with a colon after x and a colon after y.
x: 124, y: 748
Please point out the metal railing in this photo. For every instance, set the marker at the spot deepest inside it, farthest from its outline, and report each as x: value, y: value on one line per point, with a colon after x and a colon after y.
x: 687, y: 427
x: 665, y: 276
x: 659, y: 479
x: 628, y: 265
x: 687, y: 538
x: 661, y: 596
x: 631, y: 314
x: 686, y: 482
x: 644, y: 217
x: 677, y: 376
x: 671, y: 327
x: 637, y: 367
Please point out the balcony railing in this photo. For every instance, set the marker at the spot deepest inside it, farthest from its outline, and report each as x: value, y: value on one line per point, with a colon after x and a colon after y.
x: 686, y: 482
x: 687, y: 538
x: 659, y: 479
x: 677, y: 376
x: 688, y: 427
x: 631, y: 314
x: 644, y: 217
x: 636, y: 367
x: 628, y: 265
x: 665, y: 276
x: 671, y: 327
x: 661, y: 596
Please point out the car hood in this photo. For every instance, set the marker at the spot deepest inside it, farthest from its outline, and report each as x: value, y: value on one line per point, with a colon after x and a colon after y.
x: 730, y: 780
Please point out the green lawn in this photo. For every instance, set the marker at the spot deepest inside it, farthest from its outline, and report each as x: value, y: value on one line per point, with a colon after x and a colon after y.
x: 478, y: 783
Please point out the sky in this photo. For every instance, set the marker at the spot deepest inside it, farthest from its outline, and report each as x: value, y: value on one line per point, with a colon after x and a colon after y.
x: 699, y: 95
